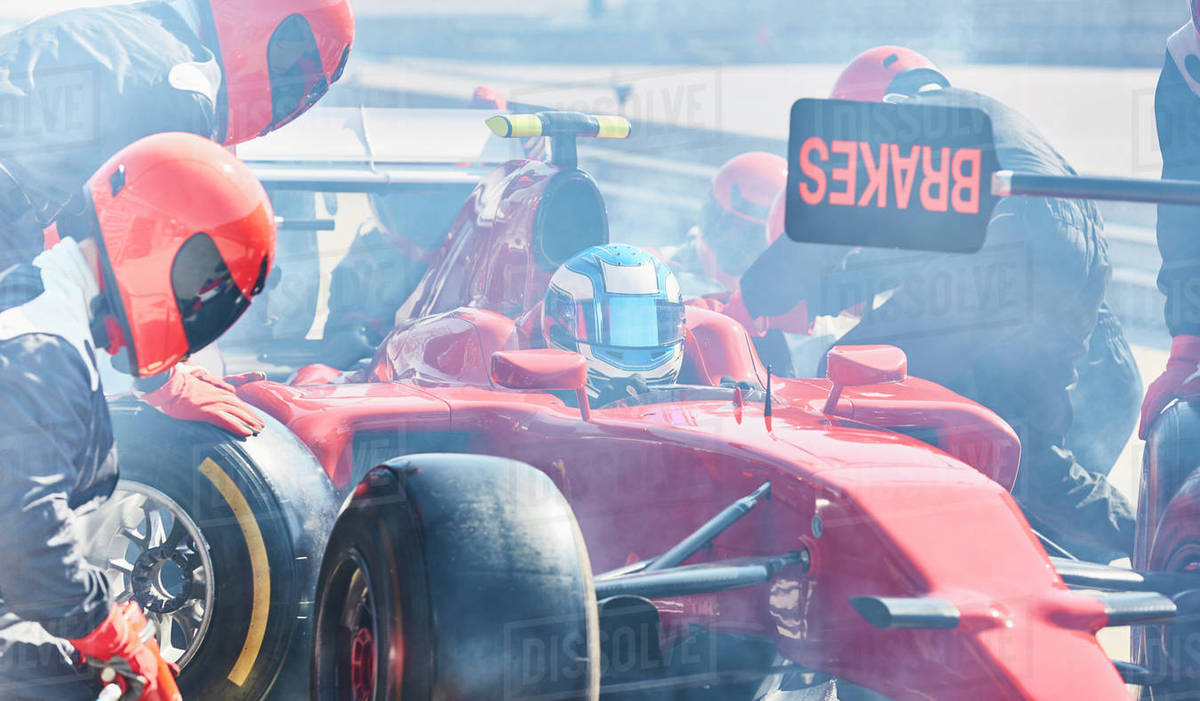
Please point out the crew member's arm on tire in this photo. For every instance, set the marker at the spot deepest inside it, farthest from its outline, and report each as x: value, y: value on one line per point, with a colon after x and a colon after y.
x: 46, y: 417
x: 192, y: 393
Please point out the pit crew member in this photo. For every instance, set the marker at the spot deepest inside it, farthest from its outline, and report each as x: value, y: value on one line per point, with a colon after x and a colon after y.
x: 620, y: 308
x: 1017, y: 357
x: 734, y: 230
x: 1177, y: 112
x: 386, y: 260
x: 731, y: 232
x: 224, y: 69
x: 229, y: 70
x: 174, y: 238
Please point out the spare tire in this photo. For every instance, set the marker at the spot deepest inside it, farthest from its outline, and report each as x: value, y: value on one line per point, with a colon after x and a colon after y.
x: 455, y: 577
x: 218, y: 538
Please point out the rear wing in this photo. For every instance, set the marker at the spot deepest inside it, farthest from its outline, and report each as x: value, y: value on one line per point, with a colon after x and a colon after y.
x: 372, y: 179
x: 377, y: 150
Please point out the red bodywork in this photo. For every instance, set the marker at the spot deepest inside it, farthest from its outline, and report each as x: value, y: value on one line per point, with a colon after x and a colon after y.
x: 489, y: 259
x: 881, y: 512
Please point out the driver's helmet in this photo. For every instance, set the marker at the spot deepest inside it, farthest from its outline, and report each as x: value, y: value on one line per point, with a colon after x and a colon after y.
x: 620, y: 308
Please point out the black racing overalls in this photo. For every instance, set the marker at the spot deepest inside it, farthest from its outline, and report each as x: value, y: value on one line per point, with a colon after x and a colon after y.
x: 56, y: 461
x: 78, y: 86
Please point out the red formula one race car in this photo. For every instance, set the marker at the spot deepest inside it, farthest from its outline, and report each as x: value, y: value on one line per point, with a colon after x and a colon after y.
x: 732, y: 535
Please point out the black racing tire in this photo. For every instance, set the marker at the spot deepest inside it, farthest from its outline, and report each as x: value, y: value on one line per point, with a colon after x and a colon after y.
x: 1172, y: 652
x: 263, y: 508
x: 474, y: 568
x: 1168, y: 540
x: 1172, y: 454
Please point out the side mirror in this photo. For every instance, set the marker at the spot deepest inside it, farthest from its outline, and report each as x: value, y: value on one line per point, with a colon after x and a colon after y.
x: 852, y: 366
x: 543, y: 369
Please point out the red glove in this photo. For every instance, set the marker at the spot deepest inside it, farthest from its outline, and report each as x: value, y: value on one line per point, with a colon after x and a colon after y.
x: 1180, y: 379
x: 193, y: 394
x: 125, y: 642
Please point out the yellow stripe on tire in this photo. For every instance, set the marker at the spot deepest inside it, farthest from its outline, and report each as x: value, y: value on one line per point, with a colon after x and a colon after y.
x: 260, y: 569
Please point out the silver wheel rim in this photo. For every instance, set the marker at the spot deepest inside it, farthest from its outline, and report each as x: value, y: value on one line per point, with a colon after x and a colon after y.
x: 153, y: 552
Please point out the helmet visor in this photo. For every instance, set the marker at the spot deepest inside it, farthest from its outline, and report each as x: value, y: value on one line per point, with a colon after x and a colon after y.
x: 626, y: 321
x: 294, y: 63
x: 209, y: 299
x: 636, y: 322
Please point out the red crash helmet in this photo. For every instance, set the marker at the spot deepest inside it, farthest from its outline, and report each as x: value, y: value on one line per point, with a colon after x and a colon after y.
x: 735, y: 211
x: 186, y: 235
x: 887, y: 70
x: 278, y: 57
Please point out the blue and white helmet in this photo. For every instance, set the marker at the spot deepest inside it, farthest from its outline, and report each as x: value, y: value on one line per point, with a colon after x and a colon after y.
x: 620, y: 308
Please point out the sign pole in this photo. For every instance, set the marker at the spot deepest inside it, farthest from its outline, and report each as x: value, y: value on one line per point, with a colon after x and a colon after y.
x: 1006, y: 183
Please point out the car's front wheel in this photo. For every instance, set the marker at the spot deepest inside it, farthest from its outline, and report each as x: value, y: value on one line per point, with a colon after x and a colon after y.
x: 455, y: 576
